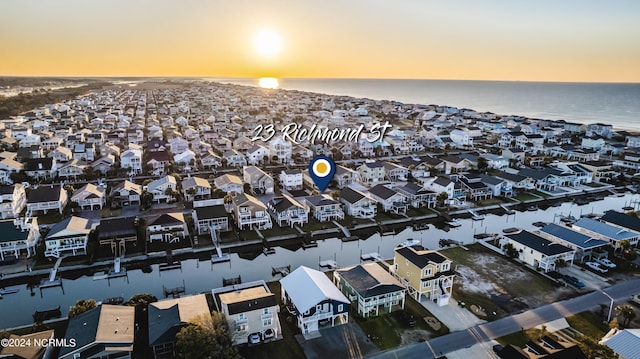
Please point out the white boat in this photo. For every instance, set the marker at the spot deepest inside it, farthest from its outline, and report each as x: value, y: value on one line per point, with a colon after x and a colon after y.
x: 4, y: 291
x: 409, y: 243
x: 454, y: 223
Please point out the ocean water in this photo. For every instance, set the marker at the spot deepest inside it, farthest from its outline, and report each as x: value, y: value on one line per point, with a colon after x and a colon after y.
x: 617, y: 104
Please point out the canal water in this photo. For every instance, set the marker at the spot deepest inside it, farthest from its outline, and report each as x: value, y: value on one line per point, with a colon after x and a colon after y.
x: 201, y: 276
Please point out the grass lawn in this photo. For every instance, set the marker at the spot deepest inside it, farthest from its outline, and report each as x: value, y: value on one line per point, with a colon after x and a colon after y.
x: 525, y: 197
x: 532, y: 285
x: 314, y: 225
x: 589, y: 324
x: 249, y: 235
x: 278, y: 231
x: 490, y: 202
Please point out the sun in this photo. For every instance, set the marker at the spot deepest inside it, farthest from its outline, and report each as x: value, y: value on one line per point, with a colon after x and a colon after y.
x: 267, y: 43
x: 268, y: 83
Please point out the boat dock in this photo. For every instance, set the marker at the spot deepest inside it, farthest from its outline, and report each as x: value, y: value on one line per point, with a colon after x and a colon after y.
x: 283, y: 271
x: 217, y: 256
x: 231, y: 281
x: 174, y: 292
x: 475, y: 216
x: 507, y: 210
x: 54, y: 280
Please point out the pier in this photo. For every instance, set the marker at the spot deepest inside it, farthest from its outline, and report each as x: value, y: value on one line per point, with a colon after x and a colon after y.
x: 54, y: 280
x: 329, y: 264
x: 174, y: 292
x: 231, y: 281
x: 283, y: 271
x: 217, y: 256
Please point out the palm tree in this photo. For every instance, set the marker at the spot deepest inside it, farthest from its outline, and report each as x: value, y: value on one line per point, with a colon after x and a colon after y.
x: 627, y: 312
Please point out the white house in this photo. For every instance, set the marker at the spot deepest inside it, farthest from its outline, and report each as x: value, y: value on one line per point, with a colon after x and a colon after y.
x: 249, y: 211
x: 229, y: 183
x: 18, y: 237
x: 259, y: 181
x: 90, y: 196
x: 324, y: 208
x: 13, y: 199
x: 168, y: 227
x: 357, y: 203
x: 390, y: 200
x: 285, y: 210
x: 68, y: 237
x: 539, y: 252
x: 159, y: 188
x: 291, y: 179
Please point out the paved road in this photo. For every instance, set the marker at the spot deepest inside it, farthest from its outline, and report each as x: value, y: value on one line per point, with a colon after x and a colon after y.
x: 483, y: 333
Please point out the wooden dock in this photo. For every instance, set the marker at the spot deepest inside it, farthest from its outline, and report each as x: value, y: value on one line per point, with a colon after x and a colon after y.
x: 231, y: 281
x: 174, y: 292
x: 283, y: 271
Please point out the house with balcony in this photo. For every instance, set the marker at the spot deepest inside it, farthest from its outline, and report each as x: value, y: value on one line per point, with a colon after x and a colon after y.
x: 106, y: 331
x: 425, y: 273
x: 68, y: 237
x: 280, y: 149
x: 418, y: 196
x: 357, y: 204
x: 229, y: 183
x: 249, y: 308
x: 132, y: 159
x: 583, y: 244
x: 210, y: 160
x: 233, y: 158
x: 40, y: 168
x: 196, y: 188
x: 313, y: 300
x: 19, y: 238
x: 291, y: 179
x: 7, y: 167
x: 117, y: 233
x: 61, y: 154
x: 157, y: 161
x: 208, y: 216
x: 517, y: 181
x: 395, y: 172
x: 168, y: 227
x: 286, y: 211
x: 474, y: 188
x: 248, y: 211
x: 257, y: 155
x: 371, y: 173
x: 13, y: 199
x: 167, y: 317
x: 370, y: 288
x: 84, y: 152
x: 323, y: 208
x: 607, y: 232
x: 126, y: 193
x: 345, y: 176
x: 161, y: 189
x: 391, y: 200
x: 90, y: 197
x: 539, y: 252
x: 46, y: 198
x: 259, y: 181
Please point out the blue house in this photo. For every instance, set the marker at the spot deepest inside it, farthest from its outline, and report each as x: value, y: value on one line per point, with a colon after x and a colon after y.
x: 311, y: 297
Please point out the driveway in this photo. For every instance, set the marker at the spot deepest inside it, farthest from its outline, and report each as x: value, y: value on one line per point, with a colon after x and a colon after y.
x: 590, y: 279
x: 342, y: 341
x: 454, y: 317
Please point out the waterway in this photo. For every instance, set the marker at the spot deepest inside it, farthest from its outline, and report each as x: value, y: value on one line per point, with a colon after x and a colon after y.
x: 201, y: 276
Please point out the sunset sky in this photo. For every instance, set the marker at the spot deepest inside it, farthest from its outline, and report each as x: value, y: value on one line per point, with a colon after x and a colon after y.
x: 536, y: 40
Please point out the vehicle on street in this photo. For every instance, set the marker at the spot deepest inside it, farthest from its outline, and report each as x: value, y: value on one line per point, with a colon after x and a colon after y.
x: 597, y: 267
x: 571, y: 280
x: 498, y: 347
x: 606, y: 262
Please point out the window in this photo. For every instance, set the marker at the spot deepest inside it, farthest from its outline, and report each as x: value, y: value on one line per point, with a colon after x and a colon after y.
x: 426, y: 284
x: 445, y: 267
x: 265, y: 311
x: 395, y: 267
x: 427, y: 272
x: 340, y: 307
x: 242, y: 316
x: 267, y: 322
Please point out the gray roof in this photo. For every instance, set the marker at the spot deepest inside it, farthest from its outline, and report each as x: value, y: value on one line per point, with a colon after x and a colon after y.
x: 351, y: 195
x: 382, y: 191
x: 208, y: 212
x: 320, y: 200
x: 579, y: 239
x: 370, y: 281
x: 420, y: 259
x: 117, y: 227
x: 11, y: 233
x: 604, y: 229
x: 538, y: 243
x: 44, y: 194
x: 622, y: 220
x: 164, y: 324
x: 625, y: 343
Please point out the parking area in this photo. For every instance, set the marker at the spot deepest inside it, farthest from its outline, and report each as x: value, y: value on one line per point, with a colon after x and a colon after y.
x: 590, y: 279
x: 342, y: 341
x: 452, y: 315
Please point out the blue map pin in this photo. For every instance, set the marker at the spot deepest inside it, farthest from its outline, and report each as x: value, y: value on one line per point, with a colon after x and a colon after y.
x: 321, y: 170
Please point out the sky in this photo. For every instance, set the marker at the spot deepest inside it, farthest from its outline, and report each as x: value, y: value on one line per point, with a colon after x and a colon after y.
x: 515, y: 40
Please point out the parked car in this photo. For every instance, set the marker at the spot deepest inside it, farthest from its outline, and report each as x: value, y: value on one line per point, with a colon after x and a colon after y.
x: 573, y: 281
x: 606, y: 262
x: 269, y: 334
x: 254, y: 338
x: 408, y: 318
x: 497, y: 348
x: 595, y: 266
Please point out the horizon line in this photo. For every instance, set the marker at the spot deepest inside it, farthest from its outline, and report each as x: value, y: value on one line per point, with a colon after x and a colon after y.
x: 303, y: 78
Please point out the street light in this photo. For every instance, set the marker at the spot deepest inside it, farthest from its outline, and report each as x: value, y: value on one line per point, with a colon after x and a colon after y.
x: 610, y: 306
